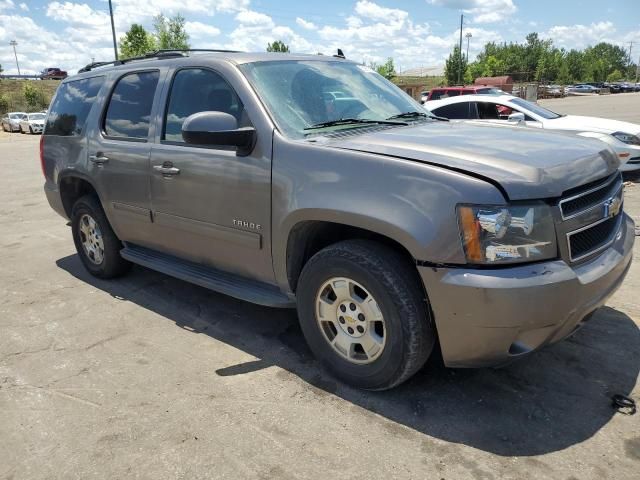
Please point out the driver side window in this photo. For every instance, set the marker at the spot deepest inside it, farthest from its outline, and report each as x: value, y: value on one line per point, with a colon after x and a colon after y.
x: 195, y: 90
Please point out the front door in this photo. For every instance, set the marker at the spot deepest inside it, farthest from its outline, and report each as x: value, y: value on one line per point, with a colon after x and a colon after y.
x: 119, y: 155
x: 210, y: 205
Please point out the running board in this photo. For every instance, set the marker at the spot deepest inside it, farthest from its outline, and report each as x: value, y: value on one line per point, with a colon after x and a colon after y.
x: 221, y: 282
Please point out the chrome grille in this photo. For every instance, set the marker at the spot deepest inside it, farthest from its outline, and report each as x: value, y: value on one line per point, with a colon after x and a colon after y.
x: 593, y: 238
x: 591, y: 217
x: 588, y: 197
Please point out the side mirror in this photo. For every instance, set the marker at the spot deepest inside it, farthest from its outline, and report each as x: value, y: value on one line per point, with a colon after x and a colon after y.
x: 218, y: 128
x: 516, y: 117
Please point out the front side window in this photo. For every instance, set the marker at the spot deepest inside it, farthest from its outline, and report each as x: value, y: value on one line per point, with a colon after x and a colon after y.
x: 214, y: 94
x: 301, y: 94
x: 129, y: 111
x: 71, y: 106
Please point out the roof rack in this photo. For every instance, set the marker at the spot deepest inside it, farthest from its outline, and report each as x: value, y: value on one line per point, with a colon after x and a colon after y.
x: 158, y: 54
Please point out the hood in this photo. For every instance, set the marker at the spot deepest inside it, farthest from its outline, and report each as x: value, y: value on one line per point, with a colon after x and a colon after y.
x: 592, y: 124
x: 526, y: 163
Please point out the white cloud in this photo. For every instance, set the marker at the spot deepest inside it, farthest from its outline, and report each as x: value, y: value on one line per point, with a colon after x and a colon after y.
x: 375, y: 12
x: 76, y: 14
x: 482, y: 11
x: 249, y: 17
x: 581, y: 36
x: 6, y: 5
x: 306, y: 25
x: 198, y: 30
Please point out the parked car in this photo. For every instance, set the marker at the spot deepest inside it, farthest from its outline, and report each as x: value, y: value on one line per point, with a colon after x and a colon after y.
x: 623, y: 137
x: 53, y: 73
x: 582, y: 89
x: 387, y: 228
x: 32, y: 123
x: 11, y: 121
x: 553, y: 91
x: 446, y: 92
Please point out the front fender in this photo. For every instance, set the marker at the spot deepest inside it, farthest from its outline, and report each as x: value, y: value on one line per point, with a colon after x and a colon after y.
x: 407, y: 201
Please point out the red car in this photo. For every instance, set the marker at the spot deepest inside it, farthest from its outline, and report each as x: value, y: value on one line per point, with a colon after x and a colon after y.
x: 53, y: 74
x: 446, y: 92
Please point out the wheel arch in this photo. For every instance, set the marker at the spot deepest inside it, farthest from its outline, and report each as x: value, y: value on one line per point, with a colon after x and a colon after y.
x: 72, y: 186
x: 307, y: 237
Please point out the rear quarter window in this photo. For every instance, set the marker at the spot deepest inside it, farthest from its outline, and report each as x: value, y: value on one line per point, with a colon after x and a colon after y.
x: 71, y: 106
x: 455, y: 111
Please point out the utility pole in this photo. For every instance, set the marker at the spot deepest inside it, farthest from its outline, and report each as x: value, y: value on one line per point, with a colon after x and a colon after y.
x: 13, y: 43
x: 113, y: 32
x: 468, y: 35
x: 460, y: 52
x: 629, y: 65
x: 637, y: 69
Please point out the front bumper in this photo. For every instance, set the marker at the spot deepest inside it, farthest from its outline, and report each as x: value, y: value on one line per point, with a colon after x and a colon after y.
x: 36, y: 128
x: 487, y: 317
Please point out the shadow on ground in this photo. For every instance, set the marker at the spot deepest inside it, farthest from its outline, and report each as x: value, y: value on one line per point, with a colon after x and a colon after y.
x: 553, y: 399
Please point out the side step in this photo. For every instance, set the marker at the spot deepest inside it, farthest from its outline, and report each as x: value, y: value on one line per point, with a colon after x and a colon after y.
x: 222, y: 282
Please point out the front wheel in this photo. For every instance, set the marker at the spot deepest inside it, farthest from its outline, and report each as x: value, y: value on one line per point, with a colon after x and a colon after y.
x: 364, y: 314
x: 31, y: 130
x: 96, y: 243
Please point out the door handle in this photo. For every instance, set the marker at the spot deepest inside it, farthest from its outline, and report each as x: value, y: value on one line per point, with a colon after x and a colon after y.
x: 166, y: 168
x: 98, y: 159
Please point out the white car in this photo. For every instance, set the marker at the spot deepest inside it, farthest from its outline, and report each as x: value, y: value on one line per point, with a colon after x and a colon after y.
x: 32, y: 123
x: 624, y: 137
x: 11, y: 121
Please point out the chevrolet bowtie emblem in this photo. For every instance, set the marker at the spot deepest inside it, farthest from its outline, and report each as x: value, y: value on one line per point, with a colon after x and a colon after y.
x: 612, y: 207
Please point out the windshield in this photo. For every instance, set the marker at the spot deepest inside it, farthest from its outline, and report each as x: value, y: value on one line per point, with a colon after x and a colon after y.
x: 36, y: 116
x: 16, y: 116
x: 301, y: 94
x: 536, y: 109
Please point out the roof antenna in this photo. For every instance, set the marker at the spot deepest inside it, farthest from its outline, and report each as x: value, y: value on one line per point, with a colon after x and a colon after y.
x: 340, y: 54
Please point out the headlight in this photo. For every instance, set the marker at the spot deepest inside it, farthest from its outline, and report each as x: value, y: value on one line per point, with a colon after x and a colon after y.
x: 627, y: 138
x: 507, y: 234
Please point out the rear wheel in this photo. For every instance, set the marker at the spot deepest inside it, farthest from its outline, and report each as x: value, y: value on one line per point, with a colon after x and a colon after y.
x: 364, y: 315
x: 96, y: 243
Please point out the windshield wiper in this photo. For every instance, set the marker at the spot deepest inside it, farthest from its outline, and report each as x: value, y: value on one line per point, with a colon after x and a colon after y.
x: 352, y: 121
x: 416, y: 115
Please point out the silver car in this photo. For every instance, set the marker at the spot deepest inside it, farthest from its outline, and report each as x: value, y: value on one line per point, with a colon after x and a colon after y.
x: 11, y: 121
x: 32, y: 123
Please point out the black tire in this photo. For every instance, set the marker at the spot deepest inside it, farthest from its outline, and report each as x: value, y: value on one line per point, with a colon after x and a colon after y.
x: 31, y: 130
x: 394, y: 283
x: 112, y: 264
x: 20, y: 129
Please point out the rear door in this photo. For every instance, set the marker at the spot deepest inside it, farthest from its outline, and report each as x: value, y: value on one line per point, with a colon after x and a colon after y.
x: 118, y: 154
x: 210, y: 205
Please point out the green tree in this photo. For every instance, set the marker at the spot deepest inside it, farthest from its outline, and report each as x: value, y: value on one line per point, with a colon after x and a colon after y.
x: 615, y: 76
x: 564, y: 77
x: 1, y: 70
x: 278, y: 46
x: 4, y: 104
x: 34, y: 96
x: 455, y: 66
x: 136, y: 42
x: 170, y: 32
x: 387, y: 69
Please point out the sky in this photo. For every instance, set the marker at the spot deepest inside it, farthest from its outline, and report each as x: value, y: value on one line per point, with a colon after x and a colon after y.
x: 416, y: 33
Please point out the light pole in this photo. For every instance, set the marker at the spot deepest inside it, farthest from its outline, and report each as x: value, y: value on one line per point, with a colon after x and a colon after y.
x: 113, y: 31
x: 13, y: 43
x: 468, y: 36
